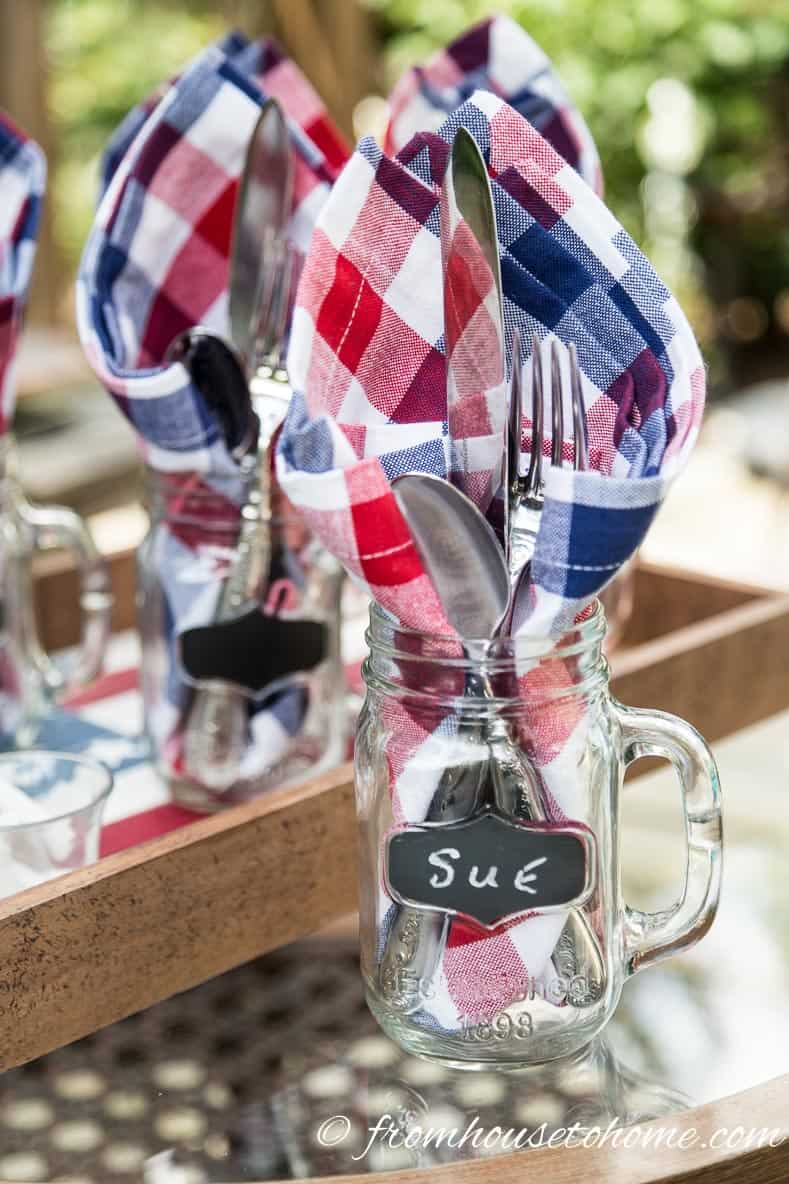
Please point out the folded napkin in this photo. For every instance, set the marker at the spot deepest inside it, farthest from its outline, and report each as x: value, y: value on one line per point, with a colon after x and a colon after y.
x: 499, y: 56
x: 277, y: 77
x: 156, y: 263
x: 22, y: 180
x: 367, y: 360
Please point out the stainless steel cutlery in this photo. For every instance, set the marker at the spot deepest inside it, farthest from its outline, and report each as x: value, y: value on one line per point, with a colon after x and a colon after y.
x: 525, y: 494
x: 259, y: 300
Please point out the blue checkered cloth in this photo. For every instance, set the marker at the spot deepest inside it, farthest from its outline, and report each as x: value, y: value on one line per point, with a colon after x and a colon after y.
x: 156, y: 262
x: 22, y: 180
x: 367, y: 356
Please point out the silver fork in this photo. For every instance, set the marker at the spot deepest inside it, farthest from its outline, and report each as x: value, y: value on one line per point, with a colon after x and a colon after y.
x: 525, y: 494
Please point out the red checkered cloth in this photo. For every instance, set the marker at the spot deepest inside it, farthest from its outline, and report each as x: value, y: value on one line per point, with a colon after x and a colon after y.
x: 156, y: 261
x: 277, y: 77
x: 22, y: 181
x: 367, y: 361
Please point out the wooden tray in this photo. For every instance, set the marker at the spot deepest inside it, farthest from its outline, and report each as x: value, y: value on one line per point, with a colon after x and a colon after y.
x: 89, y: 948
x: 83, y: 951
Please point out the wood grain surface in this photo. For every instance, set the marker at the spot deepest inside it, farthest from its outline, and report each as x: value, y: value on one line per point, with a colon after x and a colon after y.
x: 87, y: 949
x: 720, y: 674
x: 92, y: 947
x: 56, y: 596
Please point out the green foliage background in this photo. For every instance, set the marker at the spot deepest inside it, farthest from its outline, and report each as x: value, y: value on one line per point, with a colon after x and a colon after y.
x: 716, y: 224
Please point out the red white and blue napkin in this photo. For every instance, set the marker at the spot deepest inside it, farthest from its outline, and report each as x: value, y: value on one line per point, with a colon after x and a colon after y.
x: 157, y: 259
x: 157, y: 263
x: 367, y: 362
x: 22, y: 180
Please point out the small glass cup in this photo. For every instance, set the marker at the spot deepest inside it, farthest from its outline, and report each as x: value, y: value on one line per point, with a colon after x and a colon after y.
x: 215, y: 741
x: 51, y: 804
x: 488, y: 785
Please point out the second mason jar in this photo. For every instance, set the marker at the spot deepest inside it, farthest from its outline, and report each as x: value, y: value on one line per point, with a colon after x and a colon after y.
x: 488, y: 782
x: 266, y: 707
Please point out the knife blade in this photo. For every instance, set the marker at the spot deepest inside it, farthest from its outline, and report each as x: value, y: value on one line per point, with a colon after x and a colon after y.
x: 473, y: 330
x: 260, y: 220
x: 260, y: 273
x: 481, y: 407
x: 477, y: 419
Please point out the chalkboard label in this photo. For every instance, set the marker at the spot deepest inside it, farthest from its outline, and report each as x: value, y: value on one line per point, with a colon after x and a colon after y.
x: 490, y: 868
x: 253, y: 651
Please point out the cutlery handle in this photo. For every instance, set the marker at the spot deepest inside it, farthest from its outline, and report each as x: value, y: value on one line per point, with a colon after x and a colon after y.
x: 215, y: 736
x: 416, y: 940
x: 216, y: 727
x: 515, y: 785
x: 247, y: 580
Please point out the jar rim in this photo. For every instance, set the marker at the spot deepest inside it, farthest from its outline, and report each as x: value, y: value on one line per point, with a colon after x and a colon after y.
x: 582, y: 635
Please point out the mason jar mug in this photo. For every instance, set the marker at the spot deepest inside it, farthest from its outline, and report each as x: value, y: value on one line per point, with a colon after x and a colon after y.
x: 488, y: 782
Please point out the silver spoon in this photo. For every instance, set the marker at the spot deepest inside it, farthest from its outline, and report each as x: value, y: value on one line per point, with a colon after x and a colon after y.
x: 465, y: 563
x: 462, y: 556
x: 460, y: 552
x: 467, y: 567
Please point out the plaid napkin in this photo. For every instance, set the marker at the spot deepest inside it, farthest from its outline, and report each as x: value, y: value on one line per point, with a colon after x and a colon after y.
x: 22, y: 181
x: 156, y: 263
x: 367, y: 361
x: 277, y: 77
x: 499, y: 56
x: 367, y: 358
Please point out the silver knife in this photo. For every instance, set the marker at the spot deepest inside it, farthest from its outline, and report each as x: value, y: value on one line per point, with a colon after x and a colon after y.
x: 473, y: 325
x: 260, y: 274
x: 260, y: 223
x: 476, y: 393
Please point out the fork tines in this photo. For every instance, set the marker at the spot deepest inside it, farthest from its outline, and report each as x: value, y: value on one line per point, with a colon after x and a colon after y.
x: 580, y: 430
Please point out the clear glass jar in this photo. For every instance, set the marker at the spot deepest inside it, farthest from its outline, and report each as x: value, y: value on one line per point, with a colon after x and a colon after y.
x: 219, y: 740
x: 29, y: 679
x: 505, y: 940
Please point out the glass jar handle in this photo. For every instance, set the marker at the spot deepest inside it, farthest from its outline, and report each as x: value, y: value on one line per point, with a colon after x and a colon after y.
x: 652, y: 936
x: 56, y: 527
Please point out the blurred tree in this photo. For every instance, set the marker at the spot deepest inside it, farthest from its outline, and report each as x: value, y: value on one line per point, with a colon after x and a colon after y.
x: 104, y: 56
x: 22, y: 57
x: 688, y: 101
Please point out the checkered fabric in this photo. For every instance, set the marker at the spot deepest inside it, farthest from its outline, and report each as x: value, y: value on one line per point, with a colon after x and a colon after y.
x: 104, y: 721
x: 367, y: 360
x: 499, y: 56
x: 22, y: 181
x: 156, y: 263
x: 277, y: 77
